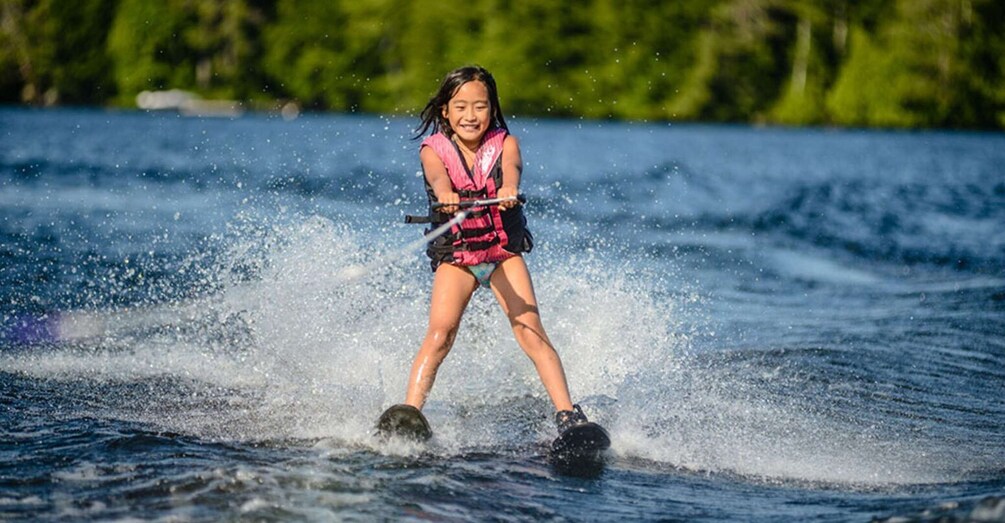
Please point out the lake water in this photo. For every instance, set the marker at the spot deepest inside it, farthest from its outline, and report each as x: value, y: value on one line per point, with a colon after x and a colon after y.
x: 202, y: 319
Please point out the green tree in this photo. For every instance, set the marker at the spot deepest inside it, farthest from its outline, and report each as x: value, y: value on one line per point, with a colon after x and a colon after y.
x: 634, y: 57
x: 922, y: 67
x: 225, y: 46
x: 741, y: 56
x: 58, y: 49
x: 983, y: 50
x: 865, y: 94
x: 544, y: 67
x: 209, y: 47
x: 925, y: 38
x: 329, y: 53
x: 811, y: 62
x: 18, y: 77
x: 147, y: 50
x: 845, y: 62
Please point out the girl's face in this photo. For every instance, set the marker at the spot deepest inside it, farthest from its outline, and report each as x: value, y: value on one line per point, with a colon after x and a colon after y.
x: 469, y: 112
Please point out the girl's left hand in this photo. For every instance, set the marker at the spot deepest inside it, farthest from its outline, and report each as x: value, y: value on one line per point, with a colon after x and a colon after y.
x: 507, y: 192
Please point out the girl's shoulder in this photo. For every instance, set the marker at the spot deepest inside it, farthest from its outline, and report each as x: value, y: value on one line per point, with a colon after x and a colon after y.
x: 511, y: 142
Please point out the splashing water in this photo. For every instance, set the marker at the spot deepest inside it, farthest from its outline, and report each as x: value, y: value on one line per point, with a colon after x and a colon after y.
x: 295, y: 342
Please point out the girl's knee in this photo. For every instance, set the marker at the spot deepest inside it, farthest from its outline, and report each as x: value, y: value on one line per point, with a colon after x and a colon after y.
x: 529, y: 330
x: 440, y: 338
x: 533, y: 341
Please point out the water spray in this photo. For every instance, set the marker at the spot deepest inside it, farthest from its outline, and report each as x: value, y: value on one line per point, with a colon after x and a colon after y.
x: 75, y: 326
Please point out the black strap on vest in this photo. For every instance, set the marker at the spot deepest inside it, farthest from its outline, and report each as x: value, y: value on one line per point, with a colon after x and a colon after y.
x: 448, y: 247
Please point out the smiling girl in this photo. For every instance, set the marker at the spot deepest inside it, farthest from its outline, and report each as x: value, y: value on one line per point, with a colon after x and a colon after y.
x: 471, y: 156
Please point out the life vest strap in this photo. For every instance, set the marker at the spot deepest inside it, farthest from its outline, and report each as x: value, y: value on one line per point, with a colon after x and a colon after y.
x: 473, y: 194
x: 448, y: 248
x: 475, y: 233
x: 477, y: 246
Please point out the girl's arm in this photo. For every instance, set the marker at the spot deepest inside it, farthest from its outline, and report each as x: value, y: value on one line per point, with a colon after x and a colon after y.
x: 512, y: 167
x: 438, y: 179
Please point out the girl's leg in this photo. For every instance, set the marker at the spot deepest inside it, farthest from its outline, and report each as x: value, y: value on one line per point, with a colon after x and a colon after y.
x: 515, y: 292
x: 452, y: 288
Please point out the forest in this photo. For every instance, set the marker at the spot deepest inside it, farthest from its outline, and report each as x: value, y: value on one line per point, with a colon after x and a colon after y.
x: 854, y: 63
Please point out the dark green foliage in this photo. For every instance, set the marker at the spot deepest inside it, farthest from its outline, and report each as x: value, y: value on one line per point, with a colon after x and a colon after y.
x: 56, y: 49
x: 334, y: 54
x: 213, y: 48
x: 902, y: 63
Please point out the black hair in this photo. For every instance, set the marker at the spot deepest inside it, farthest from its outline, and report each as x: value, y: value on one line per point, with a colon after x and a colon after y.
x: 432, y: 115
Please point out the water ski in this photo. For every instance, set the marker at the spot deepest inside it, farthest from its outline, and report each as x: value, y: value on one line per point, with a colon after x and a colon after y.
x: 580, y: 449
x: 404, y: 421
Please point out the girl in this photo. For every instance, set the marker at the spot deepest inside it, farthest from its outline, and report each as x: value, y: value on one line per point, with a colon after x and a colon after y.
x: 470, y: 155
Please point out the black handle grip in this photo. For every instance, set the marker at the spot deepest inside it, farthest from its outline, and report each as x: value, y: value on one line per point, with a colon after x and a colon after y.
x: 474, y: 203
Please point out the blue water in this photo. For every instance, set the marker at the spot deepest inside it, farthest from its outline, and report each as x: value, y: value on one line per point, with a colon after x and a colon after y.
x: 202, y: 318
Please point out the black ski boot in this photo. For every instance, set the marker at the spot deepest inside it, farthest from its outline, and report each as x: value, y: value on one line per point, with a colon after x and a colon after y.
x: 566, y: 419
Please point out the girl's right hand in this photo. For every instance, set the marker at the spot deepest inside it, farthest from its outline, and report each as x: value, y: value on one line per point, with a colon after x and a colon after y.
x: 449, y: 201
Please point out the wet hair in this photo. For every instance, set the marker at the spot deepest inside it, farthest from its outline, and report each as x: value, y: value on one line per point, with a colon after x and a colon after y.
x: 432, y: 115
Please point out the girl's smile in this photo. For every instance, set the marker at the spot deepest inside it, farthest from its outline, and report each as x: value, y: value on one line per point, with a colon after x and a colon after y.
x: 469, y: 113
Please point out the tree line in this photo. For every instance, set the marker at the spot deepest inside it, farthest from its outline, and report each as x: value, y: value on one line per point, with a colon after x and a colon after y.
x: 868, y: 63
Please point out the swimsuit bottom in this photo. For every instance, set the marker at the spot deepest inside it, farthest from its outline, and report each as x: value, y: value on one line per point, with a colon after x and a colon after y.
x: 483, y: 272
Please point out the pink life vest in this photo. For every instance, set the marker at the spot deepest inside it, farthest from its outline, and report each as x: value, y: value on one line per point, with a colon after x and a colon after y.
x: 480, y: 238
